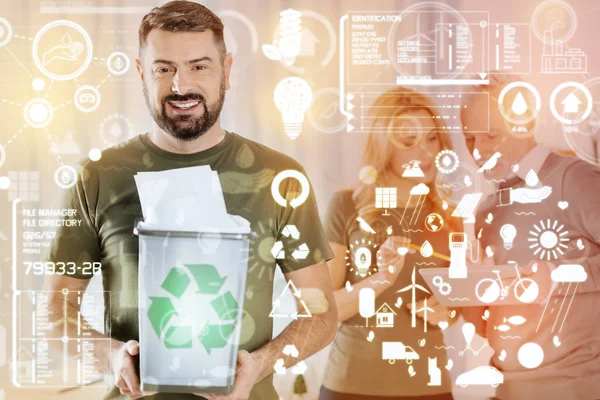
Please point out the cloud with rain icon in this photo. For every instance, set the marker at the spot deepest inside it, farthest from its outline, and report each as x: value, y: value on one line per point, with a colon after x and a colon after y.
x: 564, y: 274
x: 420, y: 191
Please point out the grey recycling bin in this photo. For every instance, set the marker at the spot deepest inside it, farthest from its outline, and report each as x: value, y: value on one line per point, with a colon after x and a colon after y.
x: 191, y: 288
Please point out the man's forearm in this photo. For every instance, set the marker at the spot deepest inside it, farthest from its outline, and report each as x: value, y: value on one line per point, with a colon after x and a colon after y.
x: 65, y: 319
x: 309, y: 335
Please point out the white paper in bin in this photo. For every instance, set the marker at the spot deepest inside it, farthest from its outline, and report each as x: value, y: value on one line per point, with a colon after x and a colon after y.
x: 167, y: 260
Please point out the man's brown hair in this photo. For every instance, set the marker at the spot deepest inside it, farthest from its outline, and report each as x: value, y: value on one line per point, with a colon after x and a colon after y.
x: 183, y: 16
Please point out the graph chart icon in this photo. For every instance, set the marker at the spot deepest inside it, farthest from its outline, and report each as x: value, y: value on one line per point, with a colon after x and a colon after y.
x: 385, y: 198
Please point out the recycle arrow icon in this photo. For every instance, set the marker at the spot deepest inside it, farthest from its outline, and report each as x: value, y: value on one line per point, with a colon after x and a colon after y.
x: 160, y: 312
x: 206, y: 276
x: 215, y: 336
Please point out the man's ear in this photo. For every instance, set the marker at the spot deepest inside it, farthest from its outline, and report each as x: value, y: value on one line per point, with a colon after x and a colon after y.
x: 140, y: 70
x: 227, y: 63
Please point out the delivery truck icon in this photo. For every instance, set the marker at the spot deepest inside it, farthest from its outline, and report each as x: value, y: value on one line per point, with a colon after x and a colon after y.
x: 393, y: 351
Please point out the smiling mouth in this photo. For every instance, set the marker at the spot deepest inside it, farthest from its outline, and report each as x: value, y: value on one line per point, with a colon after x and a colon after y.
x: 184, y: 106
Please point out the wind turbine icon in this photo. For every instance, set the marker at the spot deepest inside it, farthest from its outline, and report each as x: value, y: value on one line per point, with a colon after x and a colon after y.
x: 425, y: 309
x: 413, y: 286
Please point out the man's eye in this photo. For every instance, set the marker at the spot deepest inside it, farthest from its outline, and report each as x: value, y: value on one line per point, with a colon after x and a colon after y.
x: 162, y: 70
x: 199, y: 67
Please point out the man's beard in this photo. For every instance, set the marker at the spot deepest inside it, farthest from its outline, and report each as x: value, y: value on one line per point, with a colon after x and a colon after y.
x: 199, y: 125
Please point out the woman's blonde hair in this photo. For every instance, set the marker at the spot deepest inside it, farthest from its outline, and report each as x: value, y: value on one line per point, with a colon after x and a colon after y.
x: 379, y: 151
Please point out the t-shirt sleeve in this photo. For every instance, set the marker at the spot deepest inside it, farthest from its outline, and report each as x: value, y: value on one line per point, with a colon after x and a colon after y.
x: 306, y: 244
x: 76, y: 242
x: 338, y: 212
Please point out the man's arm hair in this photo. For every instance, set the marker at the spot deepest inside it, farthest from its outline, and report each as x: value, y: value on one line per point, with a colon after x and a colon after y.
x: 63, y: 314
x: 311, y: 334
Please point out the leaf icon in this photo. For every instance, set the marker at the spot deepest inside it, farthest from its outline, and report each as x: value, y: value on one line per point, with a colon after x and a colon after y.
x: 502, y: 356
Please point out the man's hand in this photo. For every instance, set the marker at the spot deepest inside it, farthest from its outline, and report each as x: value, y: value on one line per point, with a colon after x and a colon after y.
x: 124, y: 362
x: 246, y: 375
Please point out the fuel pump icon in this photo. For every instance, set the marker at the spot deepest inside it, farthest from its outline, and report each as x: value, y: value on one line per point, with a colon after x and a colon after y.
x: 458, y: 255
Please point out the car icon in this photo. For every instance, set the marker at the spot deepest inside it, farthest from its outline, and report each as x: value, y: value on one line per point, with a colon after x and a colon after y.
x: 484, y: 375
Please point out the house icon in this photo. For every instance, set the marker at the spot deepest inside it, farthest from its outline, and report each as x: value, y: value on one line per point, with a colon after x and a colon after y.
x: 385, y: 316
x: 571, y: 104
x: 308, y: 43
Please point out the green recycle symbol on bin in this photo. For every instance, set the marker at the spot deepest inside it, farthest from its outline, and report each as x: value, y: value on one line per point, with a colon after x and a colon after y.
x: 162, y: 309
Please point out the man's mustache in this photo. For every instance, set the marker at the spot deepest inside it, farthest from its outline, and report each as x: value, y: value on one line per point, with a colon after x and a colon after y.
x: 185, y: 97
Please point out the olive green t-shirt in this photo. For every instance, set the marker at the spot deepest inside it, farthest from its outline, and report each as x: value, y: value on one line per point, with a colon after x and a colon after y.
x: 356, y: 364
x: 106, y: 199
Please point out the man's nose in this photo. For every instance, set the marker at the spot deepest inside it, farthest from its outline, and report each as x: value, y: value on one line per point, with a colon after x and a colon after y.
x: 181, y: 83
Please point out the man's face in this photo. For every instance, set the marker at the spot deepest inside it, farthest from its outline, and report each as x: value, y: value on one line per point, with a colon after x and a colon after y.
x: 184, y: 81
x: 497, y: 140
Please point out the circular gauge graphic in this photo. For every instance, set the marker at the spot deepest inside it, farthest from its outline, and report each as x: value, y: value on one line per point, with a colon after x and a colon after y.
x: 5, y: 32
x: 38, y: 113
x: 548, y: 240
x: 405, y: 132
x: 324, y: 112
x: 447, y: 161
x: 62, y: 50
x: 117, y: 63
x: 115, y: 129
x: 65, y: 176
x: 575, y: 103
x: 583, y: 137
x: 241, y: 39
x: 519, y: 102
x: 2, y: 155
x: 554, y: 20
x: 87, y: 98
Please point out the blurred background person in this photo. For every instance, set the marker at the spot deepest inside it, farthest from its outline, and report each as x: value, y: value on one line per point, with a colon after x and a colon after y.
x: 548, y: 197
x: 405, y: 132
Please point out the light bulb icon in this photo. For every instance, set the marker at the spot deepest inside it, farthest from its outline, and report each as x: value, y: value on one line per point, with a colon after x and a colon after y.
x: 362, y: 260
x: 290, y: 25
x: 508, y: 233
x: 287, y: 47
x: 292, y: 97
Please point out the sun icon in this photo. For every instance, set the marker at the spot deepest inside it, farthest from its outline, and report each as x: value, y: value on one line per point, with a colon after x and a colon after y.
x: 260, y: 257
x: 548, y: 240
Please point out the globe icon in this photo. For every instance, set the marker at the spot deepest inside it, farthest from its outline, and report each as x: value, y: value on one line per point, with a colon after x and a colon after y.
x: 434, y: 222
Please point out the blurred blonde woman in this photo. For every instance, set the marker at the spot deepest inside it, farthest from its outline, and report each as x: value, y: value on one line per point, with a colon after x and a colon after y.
x: 406, y: 133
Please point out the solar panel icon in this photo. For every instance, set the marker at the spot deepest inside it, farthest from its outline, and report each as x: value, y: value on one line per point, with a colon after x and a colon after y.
x: 385, y: 198
x: 466, y: 207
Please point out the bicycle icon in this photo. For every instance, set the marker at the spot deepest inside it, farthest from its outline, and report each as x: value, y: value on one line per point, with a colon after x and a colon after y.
x: 489, y: 290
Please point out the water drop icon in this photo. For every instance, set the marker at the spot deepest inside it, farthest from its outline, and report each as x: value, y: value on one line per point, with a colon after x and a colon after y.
x: 426, y: 249
x: 532, y: 179
x: 519, y: 105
